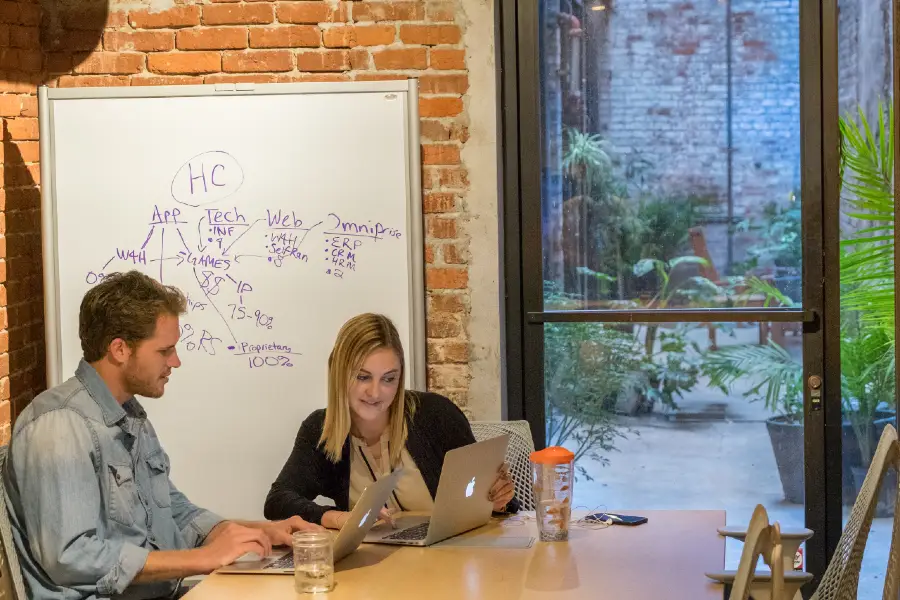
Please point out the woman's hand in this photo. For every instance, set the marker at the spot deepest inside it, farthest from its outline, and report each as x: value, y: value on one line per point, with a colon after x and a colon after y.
x: 386, y: 516
x: 503, y: 489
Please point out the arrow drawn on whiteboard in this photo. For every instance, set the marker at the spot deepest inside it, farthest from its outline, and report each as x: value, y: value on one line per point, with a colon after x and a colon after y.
x: 213, y: 304
x: 308, y: 230
x: 107, y: 263
x: 182, y: 240
x: 199, y: 225
x: 225, y: 251
x: 149, y: 235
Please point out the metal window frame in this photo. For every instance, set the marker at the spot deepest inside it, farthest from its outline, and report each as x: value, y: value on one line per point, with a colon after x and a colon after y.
x: 523, y: 376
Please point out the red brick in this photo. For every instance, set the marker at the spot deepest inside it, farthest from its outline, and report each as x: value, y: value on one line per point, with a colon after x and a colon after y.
x: 94, y: 20
x: 75, y: 41
x: 439, y: 202
x: 25, y: 37
x: 166, y: 80
x: 453, y: 254
x: 184, y: 63
x: 140, y: 41
x: 445, y: 177
x: 93, y: 81
x: 18, y: 59
x: 4, y: 383
x: 388, y: 11
x: 400, y: 58
x: 448, y: 60
x: 429, y: 254
x: 440, y: 107
x: 23, y: 128
x: 350, y: 36
x: 441, y: 228
x: 10, y: 106
x: 430, y: 35
x: 112, y: 63
x: 30, y: 153
x: 444, y: 84
x: 440, y: 154
x: 9, y: 12
x: 180, y: 16
x: 326, y: 60
x: 360, y: 59
x: 6, y: 406
x: 441, y: 377
x: 4, y: 36
x: 447, y: 351
x: 29, y: 106
x: 291, y: 36
x: 258, y: 61
x: 30, y: 14
x: 212, y: 38
x: 238, y: 14
x: 443, y: 325
x: 443, y: 132
x: 4, y: 341
x: 311, y: 12
x: 446, y: 302
x: 58, y: 62
x: 436, y: 11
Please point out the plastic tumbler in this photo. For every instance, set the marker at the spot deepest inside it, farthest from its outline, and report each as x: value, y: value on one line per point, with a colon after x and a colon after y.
x: 313, y: 561
x: 554, y: 474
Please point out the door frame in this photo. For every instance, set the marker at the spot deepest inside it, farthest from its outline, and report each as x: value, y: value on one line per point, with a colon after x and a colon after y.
x: 520, y: 151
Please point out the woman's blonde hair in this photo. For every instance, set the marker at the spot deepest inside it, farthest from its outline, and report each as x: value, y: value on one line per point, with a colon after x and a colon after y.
x: 358, y: 338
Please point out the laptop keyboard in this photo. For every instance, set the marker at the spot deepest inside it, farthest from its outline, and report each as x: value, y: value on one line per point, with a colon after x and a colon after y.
x: 416, y: 532
x: 285, y: 562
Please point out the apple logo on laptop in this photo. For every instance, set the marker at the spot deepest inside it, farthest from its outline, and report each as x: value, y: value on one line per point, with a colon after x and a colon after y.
x: 365, y: 517
x: 470, y: 488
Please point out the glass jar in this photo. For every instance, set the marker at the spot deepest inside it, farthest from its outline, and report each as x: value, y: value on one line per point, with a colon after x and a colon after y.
x: 313, y: 561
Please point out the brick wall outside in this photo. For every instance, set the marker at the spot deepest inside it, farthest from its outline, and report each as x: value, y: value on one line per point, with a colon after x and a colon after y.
x: 196, y: 42
x: 663, y: 94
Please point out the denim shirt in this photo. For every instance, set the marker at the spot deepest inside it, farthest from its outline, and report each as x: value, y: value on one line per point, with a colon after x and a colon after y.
x: 89, y: 495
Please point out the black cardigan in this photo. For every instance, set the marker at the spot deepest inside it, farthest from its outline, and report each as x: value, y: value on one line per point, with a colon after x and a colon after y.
x: 436, y: 427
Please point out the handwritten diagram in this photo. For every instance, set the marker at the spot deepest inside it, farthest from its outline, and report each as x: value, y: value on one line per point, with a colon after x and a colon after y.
x: 208, y: 236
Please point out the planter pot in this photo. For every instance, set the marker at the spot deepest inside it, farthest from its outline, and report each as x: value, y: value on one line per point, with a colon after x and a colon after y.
x: 786, y: 436
x: 851, y: 459
x: 887, y: 495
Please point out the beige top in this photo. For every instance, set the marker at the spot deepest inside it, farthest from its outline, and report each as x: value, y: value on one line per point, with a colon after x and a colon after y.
x: 411, y: 493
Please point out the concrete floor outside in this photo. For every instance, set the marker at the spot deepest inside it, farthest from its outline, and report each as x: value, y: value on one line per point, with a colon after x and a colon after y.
x: 716, y: 455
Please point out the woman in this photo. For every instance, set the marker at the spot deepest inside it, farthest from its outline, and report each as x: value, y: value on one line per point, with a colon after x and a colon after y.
x: 371, y: 427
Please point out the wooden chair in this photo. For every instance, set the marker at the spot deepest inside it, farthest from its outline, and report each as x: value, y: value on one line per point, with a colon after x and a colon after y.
x: 762, y: 539
x: 841, y: 578
x: 709, y: 271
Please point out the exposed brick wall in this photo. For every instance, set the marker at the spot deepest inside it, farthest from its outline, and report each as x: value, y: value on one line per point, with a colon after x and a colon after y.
x: 257, y: 41
x: 661, y: 73
x: 21, y: 315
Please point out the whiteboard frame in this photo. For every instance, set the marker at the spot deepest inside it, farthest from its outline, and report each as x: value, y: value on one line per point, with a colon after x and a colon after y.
x: 415, y: 238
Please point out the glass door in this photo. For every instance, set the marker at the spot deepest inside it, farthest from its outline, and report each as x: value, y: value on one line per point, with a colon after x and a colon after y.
x: 667, y: 172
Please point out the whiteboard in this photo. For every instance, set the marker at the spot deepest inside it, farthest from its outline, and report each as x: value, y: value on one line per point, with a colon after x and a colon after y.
x: 280, y: 210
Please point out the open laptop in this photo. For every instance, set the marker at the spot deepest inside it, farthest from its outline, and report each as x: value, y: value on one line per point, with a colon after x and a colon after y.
x: 362, y: 519
x: 461, y: 503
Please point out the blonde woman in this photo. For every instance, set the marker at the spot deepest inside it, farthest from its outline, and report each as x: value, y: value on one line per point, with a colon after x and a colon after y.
x: 372, y: 426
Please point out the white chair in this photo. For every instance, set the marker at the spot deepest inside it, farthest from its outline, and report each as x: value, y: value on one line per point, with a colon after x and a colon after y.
x: 521, y: 445
x: 11, y: 583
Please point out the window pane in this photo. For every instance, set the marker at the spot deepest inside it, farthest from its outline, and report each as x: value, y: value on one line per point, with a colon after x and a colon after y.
x: 659, y: 420
x: 671, y: 152
x: 867, y: 270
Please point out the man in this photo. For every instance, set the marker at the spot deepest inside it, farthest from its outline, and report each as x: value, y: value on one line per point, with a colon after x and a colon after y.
x: 94, y: 512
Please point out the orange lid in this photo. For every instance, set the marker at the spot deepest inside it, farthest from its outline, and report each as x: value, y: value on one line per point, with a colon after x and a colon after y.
x: 554, y: 455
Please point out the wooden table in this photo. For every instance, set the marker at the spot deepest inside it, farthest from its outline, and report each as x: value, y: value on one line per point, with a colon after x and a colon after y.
x: 664, y: 558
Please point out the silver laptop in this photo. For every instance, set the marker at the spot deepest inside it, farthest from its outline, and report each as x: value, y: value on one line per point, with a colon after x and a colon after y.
x: 461, y: 503
x: 362, y: 518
